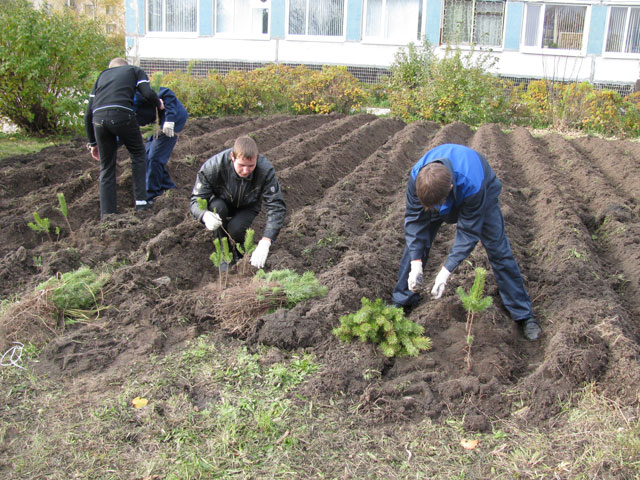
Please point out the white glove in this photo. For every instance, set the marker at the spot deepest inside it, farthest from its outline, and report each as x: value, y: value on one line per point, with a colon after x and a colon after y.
x: 441, y: 281
x: 415, y: 276
x: 259, y: 255
x: 167, y: 128
x: 211, y: 220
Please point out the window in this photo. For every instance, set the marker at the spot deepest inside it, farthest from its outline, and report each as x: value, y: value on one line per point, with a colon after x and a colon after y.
x: 397, y: 20
x: 477, y: 22
x: 246, y: 18
x: 554, y: 26
x: 316, y: 17
x: 623, y: 34
x: 172, y: 15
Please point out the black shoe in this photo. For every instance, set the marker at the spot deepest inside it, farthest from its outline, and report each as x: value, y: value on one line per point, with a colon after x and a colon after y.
x: 144, y: 206
x: 530, y: 329
x: 405, y: 308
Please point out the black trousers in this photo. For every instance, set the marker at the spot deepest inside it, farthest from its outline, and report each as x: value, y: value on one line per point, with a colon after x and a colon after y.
x: 109, y: 125
x: 235, y: 221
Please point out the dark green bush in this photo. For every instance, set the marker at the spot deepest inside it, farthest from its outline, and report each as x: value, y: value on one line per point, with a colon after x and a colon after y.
x: 47, y: 65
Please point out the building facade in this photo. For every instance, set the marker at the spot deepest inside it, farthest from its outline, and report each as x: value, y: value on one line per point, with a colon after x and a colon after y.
x: 595, y: 41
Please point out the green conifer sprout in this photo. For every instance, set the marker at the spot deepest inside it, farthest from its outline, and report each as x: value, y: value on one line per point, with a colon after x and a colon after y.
x: 385, y: 326
x: 63, y: 205
x: 474, y: 302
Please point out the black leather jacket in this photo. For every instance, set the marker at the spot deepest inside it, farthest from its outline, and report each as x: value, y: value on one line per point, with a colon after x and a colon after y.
x: 218, y: 179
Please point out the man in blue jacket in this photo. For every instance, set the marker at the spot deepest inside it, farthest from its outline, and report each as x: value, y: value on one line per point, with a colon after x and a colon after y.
x: 455, y: 184
x: 158, y: 148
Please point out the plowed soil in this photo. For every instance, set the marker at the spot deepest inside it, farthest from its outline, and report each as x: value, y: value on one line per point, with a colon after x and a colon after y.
x: 571, y: 208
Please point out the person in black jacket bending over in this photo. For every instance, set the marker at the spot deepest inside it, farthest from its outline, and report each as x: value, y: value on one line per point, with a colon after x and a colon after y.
x: 235, y: 182
x: 110, y: 115
x: 455, y: 184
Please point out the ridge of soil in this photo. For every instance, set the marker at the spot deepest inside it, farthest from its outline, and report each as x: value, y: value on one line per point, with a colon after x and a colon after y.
x: 571, y: 212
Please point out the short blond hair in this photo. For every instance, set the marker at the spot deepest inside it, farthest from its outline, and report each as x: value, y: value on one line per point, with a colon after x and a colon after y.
x: 245, y: 147
x: 117, y: 62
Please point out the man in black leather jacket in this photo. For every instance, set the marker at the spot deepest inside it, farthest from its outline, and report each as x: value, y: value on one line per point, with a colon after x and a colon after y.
x: 234, y: 183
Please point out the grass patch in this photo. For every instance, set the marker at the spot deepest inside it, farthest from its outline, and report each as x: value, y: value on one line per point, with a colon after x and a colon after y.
x: 217, y: 410
x: 20, y: 144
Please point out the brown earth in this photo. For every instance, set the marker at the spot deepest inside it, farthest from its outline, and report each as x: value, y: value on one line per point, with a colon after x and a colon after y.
x: 571, y: 213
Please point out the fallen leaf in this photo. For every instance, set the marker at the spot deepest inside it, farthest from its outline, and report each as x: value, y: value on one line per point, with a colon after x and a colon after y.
x: 469, y: 444
x: 139, y: 402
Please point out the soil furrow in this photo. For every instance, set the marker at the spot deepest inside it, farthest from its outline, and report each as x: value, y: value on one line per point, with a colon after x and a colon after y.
x: 302, y: 147
x: 304, y: 183
x: 619, y: 160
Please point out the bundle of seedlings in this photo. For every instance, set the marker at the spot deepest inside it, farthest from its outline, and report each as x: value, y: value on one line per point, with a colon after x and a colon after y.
x: 45, y: 312
x: 241, y: 306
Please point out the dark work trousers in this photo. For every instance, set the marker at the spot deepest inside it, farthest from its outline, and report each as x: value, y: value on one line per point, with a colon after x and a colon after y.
x: 158, y: 152
x: 109, y: 125
x: 235, y: 221
x: 505, y: 268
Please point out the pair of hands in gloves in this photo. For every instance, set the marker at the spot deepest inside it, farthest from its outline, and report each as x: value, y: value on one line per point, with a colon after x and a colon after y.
x: 415, y: 279
x: 259, y: 256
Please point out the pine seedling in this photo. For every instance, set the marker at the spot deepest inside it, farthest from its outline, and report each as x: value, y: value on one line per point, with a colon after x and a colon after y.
x: 386, y: 326
x: 65, y: 212
x: 221, y: 254
x: 248, y: 247
x: 474, y: 302
x: 40, y: 225
x: 202, y: 203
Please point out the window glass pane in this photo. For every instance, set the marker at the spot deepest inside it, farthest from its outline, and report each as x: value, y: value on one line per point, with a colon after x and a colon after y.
x: 531, y: 26
x: 563, y: 27
x: 617, y: 20
x: 326, y: 17
x: 633, y: 35
x: 487, y: 29
x: 297, y: 17
x: 224, y: 16
x: 458, y: 16
x: 155, y: 15
x: 402, y: 17
x: 181, y: 15
x: 373, y: 25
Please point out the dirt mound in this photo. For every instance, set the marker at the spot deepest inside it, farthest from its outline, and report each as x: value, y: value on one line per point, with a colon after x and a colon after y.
x: 571, y: 213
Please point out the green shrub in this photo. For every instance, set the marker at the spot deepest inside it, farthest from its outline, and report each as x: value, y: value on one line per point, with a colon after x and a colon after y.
x: 267, y: 90
x: 39, y: 92
x: 457, y: 87
x: 385, y: 326
x: 333, y: 89
x: 295, y: 288
x: 77, y: 293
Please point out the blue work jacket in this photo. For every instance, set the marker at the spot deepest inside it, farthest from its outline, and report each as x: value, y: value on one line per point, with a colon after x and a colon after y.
x: 173, y: 111
x: 475, y: 189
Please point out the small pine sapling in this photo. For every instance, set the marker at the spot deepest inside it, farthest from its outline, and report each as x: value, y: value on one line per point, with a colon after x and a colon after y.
x: 474, y: 302
x: 248, y: 247
x: 202, y: 203
x: 386, y: 326
x: 221, y: 254
x: 41, y: 225
x: 65, y: 212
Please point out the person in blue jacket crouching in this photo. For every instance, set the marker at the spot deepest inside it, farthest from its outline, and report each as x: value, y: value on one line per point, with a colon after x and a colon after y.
x: 455, y: 184
x: 158, y: 148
